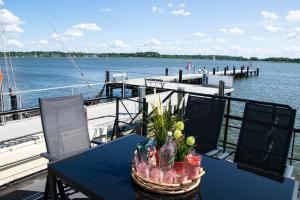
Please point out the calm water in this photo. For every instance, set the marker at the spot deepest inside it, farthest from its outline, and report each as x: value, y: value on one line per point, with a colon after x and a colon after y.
x: 277, y: 82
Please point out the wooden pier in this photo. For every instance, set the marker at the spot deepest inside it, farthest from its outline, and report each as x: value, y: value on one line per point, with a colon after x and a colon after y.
x: 192, y: 82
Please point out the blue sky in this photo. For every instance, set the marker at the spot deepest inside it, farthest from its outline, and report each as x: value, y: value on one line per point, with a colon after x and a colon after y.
x: 259, y: 28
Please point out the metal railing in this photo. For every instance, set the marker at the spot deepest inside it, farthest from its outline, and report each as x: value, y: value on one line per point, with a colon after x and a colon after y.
x: 228, y: 117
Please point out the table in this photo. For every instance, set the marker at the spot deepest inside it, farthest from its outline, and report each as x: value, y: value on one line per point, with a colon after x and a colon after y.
x: 104, y: 172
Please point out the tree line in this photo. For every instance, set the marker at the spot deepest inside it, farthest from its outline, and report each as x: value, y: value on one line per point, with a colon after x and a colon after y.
x: 58, y: 54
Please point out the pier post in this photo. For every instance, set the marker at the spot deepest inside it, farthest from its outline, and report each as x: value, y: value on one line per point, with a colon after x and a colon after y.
x: 106, y: 83
x: 180, y: 76
x: 233, y: 70
x: 141, y: 95
x: 214, y: 71
x: 167, y: 72
x: 225, y: 69
x: 241, y: 71
x: 14, y: 105
x: 247, y: 71
x: 257, y: 71
x: 221, y: 88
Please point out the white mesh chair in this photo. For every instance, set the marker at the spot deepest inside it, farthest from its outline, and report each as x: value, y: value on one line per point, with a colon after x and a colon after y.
x: 65, y: 129
x: 65, y: 126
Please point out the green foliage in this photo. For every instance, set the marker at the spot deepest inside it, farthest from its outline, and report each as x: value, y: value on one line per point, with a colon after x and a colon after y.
x: 161, y: 122
x: 145, y: 55
x: 181, y: 149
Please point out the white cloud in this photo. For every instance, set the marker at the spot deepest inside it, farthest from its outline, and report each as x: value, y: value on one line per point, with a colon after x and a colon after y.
x: 14, y: 43
x: 43, y: 42
x: 106, y: 10
x: 293, y: 35
x: 293, y: 15
x: 293, y: 51
x: 182, y: 5
x: 157, y: 9
x: 198, y: 34
x: 273, y: 29
x: 181, y: 12
x: 9, y: 22
x: 170, y: 5
x: 87, y: 27
x: 233, y: 30
x: 152, y: 42
x: 76, y: 31
x: 217, y: 40
x: 257, y: 38
x: 1, y: 2
x: 269, y: 15
x: 118, y: 44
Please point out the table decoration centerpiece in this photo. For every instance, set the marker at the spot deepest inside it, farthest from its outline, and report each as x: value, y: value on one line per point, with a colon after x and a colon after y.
x: 167, y: 163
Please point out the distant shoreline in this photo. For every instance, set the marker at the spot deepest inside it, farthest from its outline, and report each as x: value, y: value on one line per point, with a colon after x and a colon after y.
x: 58, y: 54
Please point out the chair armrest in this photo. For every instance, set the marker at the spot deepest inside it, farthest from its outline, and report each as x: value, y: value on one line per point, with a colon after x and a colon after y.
x: 97, y: 142
x: 225, y: 155
x: 212, y: 152
x: 288, y: 171
x: 48, y: 156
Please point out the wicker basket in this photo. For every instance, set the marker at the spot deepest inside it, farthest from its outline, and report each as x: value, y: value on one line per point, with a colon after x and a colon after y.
x: 171, y: 189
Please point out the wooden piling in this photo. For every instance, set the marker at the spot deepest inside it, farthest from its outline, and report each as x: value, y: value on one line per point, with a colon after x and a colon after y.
x: 257, y: 71
x: 180, y: 76
x: 247, y: 71
x: 233, y: 70
x: 214, y: 71
x: 221, y: 88
x: 106, y: 82
x: 167, y: 72
x: 225, y: 69
x: 14, y: 105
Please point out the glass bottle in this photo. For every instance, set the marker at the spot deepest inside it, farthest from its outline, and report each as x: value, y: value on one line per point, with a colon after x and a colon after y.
x: 167, y: 153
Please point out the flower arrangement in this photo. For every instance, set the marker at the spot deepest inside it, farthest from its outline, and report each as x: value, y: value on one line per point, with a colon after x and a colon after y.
x: 184, y: 145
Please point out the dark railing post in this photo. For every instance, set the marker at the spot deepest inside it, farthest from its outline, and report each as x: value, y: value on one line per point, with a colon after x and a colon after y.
x: 106, y: 82
x: 116, y: 124
x: 145, y: 118
x: 292, y: 151
x: 226, y: 124
x: 214, y: 71
x: 180, y: 76
x: 167, y: 72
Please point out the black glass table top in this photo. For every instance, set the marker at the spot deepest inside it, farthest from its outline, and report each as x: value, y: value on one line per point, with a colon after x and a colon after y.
x: 104, y: 172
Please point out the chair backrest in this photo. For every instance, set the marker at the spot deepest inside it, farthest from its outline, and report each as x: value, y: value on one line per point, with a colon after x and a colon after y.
x: 65, y: 125
x: 203, y: 119
x: 265, y: 137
